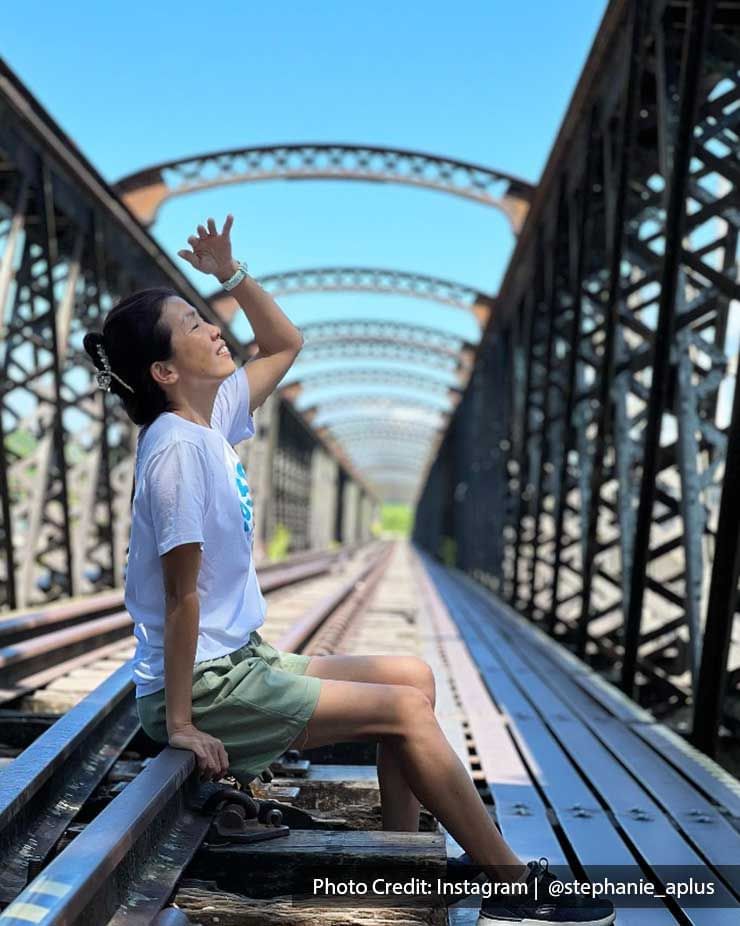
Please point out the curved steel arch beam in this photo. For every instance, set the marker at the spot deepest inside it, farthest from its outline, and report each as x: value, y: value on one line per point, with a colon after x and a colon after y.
x: 386, y: 349
x: 381, y: 426
x: 378, y: 327
x: 418, y: 400
x: 373, y: 442
x: 372, y: 280
x: 146, y: 190
x: 380, y: 421
x: 436, y: 422
x: 360, y: 401
x: 382, y: 340
x: 364, y: 280
x: 408, y: 449
x: 370, y: 439
x: 337, y: 345
x: 417, y: 462
x: 393, y: 468
x: 368, y: 375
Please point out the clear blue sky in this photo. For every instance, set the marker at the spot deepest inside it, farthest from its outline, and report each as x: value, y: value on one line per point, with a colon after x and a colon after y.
x: 136, y: 83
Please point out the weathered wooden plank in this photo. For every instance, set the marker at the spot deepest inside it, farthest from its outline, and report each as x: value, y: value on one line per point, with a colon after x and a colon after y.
x: 212, y: 908
x: 269, y: 867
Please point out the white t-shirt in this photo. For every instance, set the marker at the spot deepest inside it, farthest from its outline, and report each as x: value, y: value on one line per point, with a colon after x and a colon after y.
x: 191, y: 487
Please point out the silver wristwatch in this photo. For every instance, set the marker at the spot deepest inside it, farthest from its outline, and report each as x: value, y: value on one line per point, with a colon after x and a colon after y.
x: 236, y: 278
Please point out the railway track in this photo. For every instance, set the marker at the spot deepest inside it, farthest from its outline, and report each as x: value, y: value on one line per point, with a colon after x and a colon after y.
x: 125, y: 863
x: 41, y: 646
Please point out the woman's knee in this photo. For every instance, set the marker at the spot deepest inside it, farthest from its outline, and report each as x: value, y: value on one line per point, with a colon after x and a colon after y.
x: 414, y: 709
x: 421, y: 676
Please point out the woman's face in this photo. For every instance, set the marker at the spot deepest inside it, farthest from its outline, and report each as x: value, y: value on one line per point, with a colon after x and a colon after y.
x: 195, y: 344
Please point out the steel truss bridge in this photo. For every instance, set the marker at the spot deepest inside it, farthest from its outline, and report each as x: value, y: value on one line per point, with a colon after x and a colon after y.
x: 579, y: 458
x: 603, y: 499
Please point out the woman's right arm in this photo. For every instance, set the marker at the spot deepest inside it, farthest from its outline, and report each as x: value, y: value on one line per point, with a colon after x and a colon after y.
x: 182, y: 613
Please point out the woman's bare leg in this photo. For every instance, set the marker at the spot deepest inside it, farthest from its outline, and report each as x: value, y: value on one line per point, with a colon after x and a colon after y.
x: 403, y: 715
x: 398, y: 803
x: 399, y: 806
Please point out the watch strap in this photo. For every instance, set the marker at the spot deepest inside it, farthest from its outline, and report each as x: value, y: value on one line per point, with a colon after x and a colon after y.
x: 236, y: 278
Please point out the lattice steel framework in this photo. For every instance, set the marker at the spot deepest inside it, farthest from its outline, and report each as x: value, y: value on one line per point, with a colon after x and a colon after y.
x: 375, y: 280
x: 146, y: 190
x: 350, y: 349
x: 382, y: 428
x: 360, y: 404
x: 616, y: 480
x: 348, y: 376
x: 370, y: 331
x: 68, y: 251
x: 292, y: 478
x: 370, y: 440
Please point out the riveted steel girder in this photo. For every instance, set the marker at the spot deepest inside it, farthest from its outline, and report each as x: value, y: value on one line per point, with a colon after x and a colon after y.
x: 349, y: 349
x: 365, y: 280
x: 402, y: 332
x: 371, y: 439
x: 145, y: 191
x: 381, y: 425
x: 369, y: 376
x: 361, y: 403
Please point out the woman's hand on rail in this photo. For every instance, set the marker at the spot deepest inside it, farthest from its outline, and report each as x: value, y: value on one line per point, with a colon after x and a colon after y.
x: 213, y: 760
x: 212, y: 251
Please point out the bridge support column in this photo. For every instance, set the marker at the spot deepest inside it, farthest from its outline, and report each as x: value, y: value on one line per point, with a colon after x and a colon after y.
x: 323, y: 499
x: 349, y: 512
x: 260, y: 453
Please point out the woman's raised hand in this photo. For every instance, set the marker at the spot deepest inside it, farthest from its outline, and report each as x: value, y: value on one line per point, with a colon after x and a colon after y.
x: 212, y: 251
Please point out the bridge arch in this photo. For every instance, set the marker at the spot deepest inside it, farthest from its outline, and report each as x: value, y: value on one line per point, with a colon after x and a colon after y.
x: 365, y: 280
x: 317, y: 379
x: 357, y: 404
x: 385, y: 394
x: 146, y: 190
x: 387, y: 349
x: 382, y: 427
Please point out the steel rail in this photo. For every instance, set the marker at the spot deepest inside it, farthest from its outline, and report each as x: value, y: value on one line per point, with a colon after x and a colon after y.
x: 28, y: 665
x: 151, y: 820
x: 22, y: 659
x: 22, y: 625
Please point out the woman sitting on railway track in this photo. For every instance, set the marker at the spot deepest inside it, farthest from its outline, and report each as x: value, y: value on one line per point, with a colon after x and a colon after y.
x: 205, y: 678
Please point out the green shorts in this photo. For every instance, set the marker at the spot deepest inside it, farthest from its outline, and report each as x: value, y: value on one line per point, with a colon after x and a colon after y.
x: 256, y: 700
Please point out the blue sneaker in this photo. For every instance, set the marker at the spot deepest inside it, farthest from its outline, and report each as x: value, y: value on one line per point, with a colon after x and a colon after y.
x: 538, y: 909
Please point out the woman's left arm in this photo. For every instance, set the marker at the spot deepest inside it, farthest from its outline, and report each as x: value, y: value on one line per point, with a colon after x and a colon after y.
x: 278, y: 339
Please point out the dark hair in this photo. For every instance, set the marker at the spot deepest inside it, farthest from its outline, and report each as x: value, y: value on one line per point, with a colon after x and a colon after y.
x: 135, y: 336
